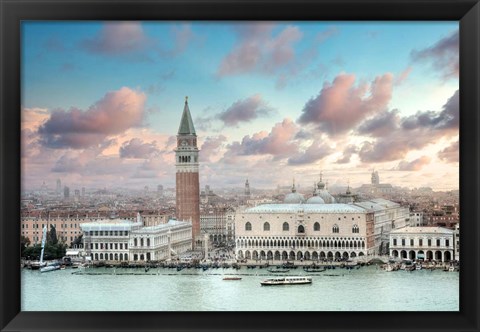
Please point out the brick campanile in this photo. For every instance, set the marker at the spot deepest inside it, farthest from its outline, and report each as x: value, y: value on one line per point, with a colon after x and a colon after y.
x: 187, y: 180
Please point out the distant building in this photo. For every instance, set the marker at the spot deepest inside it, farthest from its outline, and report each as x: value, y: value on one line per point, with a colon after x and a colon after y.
x: 58, y: 190
x: 416, y: 219
x: 376, y: 188
x: 66, y: 192
x: 213, y: 222
x: 247, y: 189
x: 429, y: 243
x: 160, y: 190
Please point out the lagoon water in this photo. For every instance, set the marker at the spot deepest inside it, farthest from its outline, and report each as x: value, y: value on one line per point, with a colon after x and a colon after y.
x: 366, y: 289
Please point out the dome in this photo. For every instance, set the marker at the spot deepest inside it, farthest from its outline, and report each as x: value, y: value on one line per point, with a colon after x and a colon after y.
x: 315, y: 200
x: 325, y: 195
x: 294, y: 198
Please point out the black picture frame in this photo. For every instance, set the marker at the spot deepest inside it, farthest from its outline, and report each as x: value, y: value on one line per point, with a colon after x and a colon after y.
x: 467, y: 12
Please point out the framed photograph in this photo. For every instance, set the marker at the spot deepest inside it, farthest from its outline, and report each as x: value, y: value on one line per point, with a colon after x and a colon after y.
x: 163, y: 163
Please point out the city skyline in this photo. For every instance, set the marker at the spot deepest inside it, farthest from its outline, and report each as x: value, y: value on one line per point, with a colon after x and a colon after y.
x: 270, y: 101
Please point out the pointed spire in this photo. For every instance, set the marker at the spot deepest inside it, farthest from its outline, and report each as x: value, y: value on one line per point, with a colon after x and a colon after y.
x: 293, y: 186
x: 186, y: 124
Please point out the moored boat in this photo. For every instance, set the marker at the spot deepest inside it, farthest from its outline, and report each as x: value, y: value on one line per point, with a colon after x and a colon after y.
x: 286, y: 281
x: 232, y: 278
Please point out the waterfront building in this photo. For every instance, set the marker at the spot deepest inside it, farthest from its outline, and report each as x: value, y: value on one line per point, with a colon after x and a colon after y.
x: 456, y: 239
x: 67, y: 223
x: 388, y: 215
x: 187, y: 177
x: 314, y: 229
x: 127, y: 240
x: 213, y: 223
x: 430, y: 243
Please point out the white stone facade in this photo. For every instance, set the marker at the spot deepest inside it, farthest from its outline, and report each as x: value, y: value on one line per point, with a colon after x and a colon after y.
x: 429, y: 243
x: 303, y: 232
x: 125, y: 240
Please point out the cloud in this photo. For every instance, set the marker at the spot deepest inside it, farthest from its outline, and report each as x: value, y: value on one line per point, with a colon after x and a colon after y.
x: 244, y: 110
x: 259, y: 50
x: 442, y: 56
x: 278, y: 143
x: 211, y: 146
x: 116, y: 112
x: 32, y: 118
x: 347, y: 154
x: 316, y: 151
x: 342, y: 105
x: 118, y: 38
x: 137, y: 149
x: 403, y: 76
x: 414, y: 165
x: 409, y: 133
x: 450, y: 153
x: 380, y: 125
x: 182, y: 35
x: 448, y: 119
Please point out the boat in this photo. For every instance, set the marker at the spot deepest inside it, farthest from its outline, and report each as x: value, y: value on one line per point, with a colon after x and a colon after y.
x: 314, y: 270
x: 278, y: 270
x: 451, y: 269
x: 232, y: 278
x: 418, y: 266
x: 50, y: 267
x: 286, y: 281
x: 389, y: 268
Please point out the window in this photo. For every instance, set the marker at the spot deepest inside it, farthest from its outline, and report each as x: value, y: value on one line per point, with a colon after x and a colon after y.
x: 126, y: 246
x: 394, y: 242
x: 403, y: 242
x: 438, y: 242
x: 429, y: 242
x: 335, y: 229
x: 316, y: 226
x: 248, y: 226
x: 96, y: 246
x: 301, y: 229
x: 286, y: 227
x: 266, y: 226
x: 447, y: 243
x: 420, y: 242
x: 121, y: 246
x: 355, y: 229
x: 411, y: 242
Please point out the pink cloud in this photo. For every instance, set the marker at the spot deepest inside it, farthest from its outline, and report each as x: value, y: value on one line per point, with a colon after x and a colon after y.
x: 211, y: 146
x: 278, y: 142
x: 316, y: 151
x: 340, y: 106
x: 137, y: 149
x: 244, y: 110
x: 116, y: 112
x: 414, y: 165
x: 450, y: 153
x: 259, y: 50
x: 116, y: 38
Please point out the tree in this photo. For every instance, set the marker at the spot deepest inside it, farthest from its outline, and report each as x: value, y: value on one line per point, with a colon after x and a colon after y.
x: 24, y: 243
x: 52, y: 235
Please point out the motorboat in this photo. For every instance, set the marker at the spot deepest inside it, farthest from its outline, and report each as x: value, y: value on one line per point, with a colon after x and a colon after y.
x: 232, y: 278
x: 287, y: 281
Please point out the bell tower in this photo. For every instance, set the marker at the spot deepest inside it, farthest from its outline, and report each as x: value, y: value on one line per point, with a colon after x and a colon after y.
x: 187, y: 179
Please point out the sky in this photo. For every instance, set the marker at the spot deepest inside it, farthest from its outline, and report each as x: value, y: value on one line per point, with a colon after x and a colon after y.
x: 271, y: 102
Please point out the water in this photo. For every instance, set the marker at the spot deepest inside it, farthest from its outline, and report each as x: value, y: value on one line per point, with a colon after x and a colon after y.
x: 365, y: 289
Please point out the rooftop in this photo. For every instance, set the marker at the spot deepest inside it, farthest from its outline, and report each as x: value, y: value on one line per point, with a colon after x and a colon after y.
x: 306, y: 208
x: 110, y: 225
x: 422, y: 229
